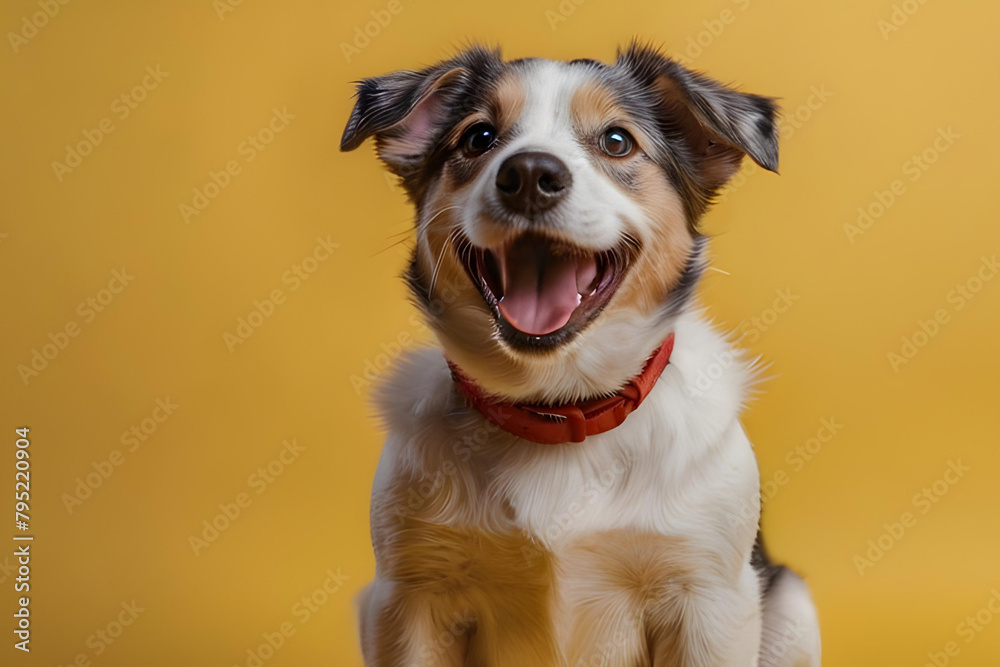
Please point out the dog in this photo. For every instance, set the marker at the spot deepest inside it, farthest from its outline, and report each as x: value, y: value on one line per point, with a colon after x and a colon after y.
x: 565, y: 481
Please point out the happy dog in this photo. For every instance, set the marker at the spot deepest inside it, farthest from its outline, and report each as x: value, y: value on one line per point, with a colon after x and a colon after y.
x: 588, y: 503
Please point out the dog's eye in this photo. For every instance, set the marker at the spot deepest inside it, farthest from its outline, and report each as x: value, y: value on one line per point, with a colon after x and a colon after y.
x: 616, y: 142
x: 478, y: 139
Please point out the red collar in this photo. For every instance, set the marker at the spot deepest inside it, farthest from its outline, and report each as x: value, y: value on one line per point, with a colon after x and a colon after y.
x: 555, y: 425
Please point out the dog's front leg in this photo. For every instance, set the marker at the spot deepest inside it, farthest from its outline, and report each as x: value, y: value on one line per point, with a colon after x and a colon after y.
x: 719, y: 625
x: 411, y: 631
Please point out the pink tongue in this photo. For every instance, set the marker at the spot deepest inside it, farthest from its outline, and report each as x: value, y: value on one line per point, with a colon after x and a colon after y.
x: 541, y: 291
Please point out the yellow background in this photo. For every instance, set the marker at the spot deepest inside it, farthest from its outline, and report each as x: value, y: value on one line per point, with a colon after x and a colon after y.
x: 162, y: 336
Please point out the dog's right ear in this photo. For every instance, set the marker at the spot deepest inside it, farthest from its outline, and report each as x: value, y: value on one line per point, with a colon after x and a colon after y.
x: 405, y: 111
x: 717, y: 124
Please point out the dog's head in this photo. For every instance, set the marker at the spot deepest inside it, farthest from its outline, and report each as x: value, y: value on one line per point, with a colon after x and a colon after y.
x: 557, y: 205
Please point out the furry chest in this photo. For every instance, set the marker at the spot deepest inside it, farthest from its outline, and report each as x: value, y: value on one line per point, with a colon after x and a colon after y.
x: 505, y: 599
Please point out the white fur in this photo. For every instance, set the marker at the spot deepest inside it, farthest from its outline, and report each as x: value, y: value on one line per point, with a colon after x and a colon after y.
x: 681, y: 465
x: 596, y: 212
x: 791, y: 627
x: 689, y: 424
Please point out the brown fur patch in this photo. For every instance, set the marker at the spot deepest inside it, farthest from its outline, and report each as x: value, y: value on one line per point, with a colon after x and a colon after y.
x: 454, y: 300
x: 667, y: 248
x: 508, y: 101
x: 474, y: 597
x: 625, y: 593
x: 593, y: 106
x: 456, y: 596
x: 718, y: 160
x: 475, y: 589
x: 503, y: 109
x: 595, y: 109
x: 661, y: 264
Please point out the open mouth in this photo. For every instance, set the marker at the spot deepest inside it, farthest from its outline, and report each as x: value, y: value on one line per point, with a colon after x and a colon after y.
x: 543, y: 291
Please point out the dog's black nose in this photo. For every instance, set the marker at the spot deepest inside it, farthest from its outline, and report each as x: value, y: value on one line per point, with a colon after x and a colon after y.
x: 533, y: 182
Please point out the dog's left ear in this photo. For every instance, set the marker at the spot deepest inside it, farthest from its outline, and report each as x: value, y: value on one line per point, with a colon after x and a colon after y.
x: 717, y: 124
x: 404, y: 111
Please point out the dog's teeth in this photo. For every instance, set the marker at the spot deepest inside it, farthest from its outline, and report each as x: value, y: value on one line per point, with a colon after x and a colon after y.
x: 586, y: 275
